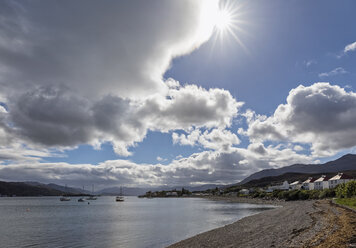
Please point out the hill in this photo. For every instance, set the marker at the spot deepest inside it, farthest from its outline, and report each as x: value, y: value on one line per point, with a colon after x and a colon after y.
x: 24, y: 189
x: 132, y: 191
x: 68, y: 190
x: 290, y: 177
x: 38, y: 189
x: 345, y: 163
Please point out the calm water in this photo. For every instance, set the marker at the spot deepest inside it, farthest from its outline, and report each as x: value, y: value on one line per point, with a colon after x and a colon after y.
x: 47, y: 222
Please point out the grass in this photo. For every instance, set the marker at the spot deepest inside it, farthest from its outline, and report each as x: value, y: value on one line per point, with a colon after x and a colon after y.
x: 350, y: 202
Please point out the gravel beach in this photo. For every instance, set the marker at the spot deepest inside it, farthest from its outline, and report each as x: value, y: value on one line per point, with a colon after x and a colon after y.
x: 295, y: 224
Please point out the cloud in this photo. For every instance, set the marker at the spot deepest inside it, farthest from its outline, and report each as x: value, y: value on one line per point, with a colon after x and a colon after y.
x: 310, y: 62
x: 215, y: 139
x: 159, y: 159
x: 350, y: 47
x: 206, y: 167
x: 99, y: 48
x: 88, y: 73
x: 336, y: 71
x: 56, y: 117
x: 322, y: 115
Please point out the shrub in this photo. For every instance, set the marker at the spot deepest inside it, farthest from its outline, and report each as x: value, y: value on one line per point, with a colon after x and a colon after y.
x: 347, y: 190
x: 326, y: 193
x: 350, y: 189
x: 340, y: 190
x: 293, y: 195
x: 303, y: 195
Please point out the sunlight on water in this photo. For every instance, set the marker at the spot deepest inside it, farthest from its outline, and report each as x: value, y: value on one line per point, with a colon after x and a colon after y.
x: 47, y: 222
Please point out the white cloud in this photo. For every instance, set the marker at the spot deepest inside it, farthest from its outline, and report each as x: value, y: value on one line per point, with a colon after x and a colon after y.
x: 336, y: 71
x: 99, y: 77
x: 215, y: 139
x: 322, y: 115
x: 205, y: 167
x: 350, y: 47
x: 160, y: 159
x: 298, y: 148
x: 310, y: 62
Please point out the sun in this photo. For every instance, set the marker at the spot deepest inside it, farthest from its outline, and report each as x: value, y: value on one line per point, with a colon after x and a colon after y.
x: 228, y: 21
x: 223, y: 20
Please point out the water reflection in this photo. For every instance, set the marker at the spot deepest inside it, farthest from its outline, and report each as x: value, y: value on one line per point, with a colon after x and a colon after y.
x: 47, y: 222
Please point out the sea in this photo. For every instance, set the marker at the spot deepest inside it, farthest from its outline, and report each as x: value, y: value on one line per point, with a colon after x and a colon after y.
x: 136, y: 222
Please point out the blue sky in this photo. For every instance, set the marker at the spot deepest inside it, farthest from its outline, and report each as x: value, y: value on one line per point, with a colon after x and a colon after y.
x: 116, y: 91
x: 281, y: 38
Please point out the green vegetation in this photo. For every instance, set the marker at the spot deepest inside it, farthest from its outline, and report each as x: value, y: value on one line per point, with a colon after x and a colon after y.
x: 293, y: 195
x: 350, y: 202
x: 346, y: 190
x: 346, y: 194
x: 23, y: 189
x: 167, y: 193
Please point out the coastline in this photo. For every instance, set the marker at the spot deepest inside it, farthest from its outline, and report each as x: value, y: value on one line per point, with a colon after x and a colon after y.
x: 311, y: 223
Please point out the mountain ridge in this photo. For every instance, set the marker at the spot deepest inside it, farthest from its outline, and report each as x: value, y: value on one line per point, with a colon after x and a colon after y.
x: 344, y: 163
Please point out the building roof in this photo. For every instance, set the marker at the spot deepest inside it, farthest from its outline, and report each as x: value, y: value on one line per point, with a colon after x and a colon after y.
x: 341, y: 176
x: 322, y: 178
x: 295, y: 183
x: 310, y: 180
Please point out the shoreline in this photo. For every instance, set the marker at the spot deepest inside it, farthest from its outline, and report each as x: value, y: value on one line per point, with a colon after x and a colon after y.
x: 311, y: 223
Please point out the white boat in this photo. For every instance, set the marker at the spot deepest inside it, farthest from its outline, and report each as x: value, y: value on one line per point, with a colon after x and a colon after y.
x: 63, y: 198
x: 81, y: 200
x: 120, y: 198
x: 92, y: 197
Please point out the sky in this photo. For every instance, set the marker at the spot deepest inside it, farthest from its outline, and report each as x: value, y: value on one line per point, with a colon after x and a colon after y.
x: 150, y: 93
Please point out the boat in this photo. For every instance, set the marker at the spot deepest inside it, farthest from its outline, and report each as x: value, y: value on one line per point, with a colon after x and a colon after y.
x: 63, y: 198
x: 120, y: 198
x: 92, y: 197
x: 81, y: 200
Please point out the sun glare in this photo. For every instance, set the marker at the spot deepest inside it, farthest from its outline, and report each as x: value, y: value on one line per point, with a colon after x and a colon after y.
x: 223, y: 20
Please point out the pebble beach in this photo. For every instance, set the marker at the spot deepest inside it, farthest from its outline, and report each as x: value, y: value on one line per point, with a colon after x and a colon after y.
x: 309, y: 223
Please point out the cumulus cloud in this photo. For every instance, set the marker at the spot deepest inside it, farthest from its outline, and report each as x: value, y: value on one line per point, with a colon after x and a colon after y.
x: 215, y: 139
x: 88, y: 73
x: 99, y: 48
x: 322, y: 115
x: 206, y: 167
x: 56, y: 117
x: 336, y: 71
x: 350, y: 47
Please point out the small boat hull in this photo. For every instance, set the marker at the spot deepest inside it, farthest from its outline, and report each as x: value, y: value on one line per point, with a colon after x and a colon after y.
x: 64, y: 199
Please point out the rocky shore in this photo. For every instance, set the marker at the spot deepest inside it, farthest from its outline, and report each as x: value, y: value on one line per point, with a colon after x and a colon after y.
x: 295, y: 224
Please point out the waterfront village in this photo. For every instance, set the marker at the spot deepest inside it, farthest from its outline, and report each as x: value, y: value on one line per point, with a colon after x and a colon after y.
x: 316, y: 185
x: 321, y: 183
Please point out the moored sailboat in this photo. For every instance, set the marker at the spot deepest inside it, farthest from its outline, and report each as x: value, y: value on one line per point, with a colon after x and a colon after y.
x: 120, y: 198
x: 92, y: 197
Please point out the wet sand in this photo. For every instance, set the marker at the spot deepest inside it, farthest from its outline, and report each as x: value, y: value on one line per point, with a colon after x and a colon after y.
x: 295, y: 224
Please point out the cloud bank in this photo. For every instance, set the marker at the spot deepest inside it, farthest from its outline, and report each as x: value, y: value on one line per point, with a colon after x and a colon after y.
x: 321, y: 115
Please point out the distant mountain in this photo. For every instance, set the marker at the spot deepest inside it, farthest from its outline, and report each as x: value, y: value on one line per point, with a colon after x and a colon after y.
x: 132, y: 191
x: 68, y: 190
x: 24, y: 189
x: 345, y: 163
x: 290, y: 177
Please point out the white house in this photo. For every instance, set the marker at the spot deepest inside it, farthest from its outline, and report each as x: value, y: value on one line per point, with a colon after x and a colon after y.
x: 338, y: 179
x: 171, y: 193
x: 322, y: 182
x: 244, y: 191
x: 308, y: 184
x: 295, y: 185
x: 284, y: 186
